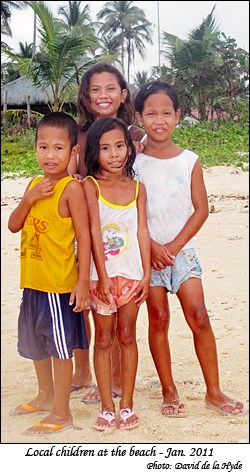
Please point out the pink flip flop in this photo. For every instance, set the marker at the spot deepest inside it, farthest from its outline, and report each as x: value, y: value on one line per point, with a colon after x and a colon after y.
x: 108, y: 417
x: 124, y: 414
x: 222, y: 408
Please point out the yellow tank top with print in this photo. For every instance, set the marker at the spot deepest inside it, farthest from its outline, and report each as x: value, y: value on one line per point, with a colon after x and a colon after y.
x: 48, y: 260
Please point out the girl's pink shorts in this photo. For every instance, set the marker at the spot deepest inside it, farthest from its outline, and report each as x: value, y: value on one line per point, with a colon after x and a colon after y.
x: 124, y: 292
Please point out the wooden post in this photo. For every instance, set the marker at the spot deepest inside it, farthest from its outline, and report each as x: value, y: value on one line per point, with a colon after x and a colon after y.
x: 5, y: 108
x: 28, y: 111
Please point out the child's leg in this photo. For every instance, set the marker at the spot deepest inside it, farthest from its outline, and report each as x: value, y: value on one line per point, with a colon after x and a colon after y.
x: 93, y: 395
x: 126, y: 335
x: 60, y: 417
x: 104, y: 336
x: 192, y: 302
x: 116, y: 367
x: 159, y: 317
x: 82, y: 372
x: 43, y: 402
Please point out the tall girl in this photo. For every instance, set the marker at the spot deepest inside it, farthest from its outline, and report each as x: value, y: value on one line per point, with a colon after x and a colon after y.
x: 177, y: 207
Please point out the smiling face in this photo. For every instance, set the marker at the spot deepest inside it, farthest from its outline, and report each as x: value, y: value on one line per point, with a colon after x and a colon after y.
x: 159, y: 117
x: 113, y: 151
x: 54, y: 151
x: 106, y: 95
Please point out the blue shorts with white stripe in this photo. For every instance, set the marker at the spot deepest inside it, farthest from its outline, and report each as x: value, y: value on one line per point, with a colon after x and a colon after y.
x: 48, y: 326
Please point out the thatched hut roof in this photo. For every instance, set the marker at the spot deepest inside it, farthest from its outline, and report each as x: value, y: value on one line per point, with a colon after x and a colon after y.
x: 19, y: 90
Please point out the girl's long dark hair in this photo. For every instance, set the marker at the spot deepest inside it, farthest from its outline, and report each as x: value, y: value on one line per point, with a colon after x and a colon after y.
x: 85, y: 116
x: 92, y: 148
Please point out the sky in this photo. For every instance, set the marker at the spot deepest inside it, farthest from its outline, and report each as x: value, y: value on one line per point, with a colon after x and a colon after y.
x: 175, y: 17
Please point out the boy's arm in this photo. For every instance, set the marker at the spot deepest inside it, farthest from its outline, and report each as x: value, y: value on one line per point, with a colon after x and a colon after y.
x: 42, y: 189
x: 79, y: 214
x: 144, y: 244
x: 104, y: 286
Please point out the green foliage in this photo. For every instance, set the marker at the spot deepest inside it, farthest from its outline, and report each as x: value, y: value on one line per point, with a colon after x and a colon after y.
x: 18, y: 154
x: 216, y: 143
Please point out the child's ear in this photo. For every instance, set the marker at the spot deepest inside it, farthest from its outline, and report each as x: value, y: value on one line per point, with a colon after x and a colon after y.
x: 178, y: 115
x: 124, y: 96
x: 75, y: 151
x: 138, y: 118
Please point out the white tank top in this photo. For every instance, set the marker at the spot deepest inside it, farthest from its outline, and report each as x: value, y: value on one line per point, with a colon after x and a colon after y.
x: 168, y: 187
x: 119, y: 234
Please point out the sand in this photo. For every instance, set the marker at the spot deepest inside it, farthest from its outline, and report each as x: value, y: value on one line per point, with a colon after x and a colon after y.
x: 222, y: 247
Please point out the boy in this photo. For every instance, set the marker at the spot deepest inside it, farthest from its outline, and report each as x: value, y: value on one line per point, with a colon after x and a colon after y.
x: 51, y: 214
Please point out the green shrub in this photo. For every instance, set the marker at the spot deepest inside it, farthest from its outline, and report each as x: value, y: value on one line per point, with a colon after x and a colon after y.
x: 216, y: 143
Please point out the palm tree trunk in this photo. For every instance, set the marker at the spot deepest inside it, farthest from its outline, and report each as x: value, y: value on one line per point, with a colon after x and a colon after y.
x: 34, y: 36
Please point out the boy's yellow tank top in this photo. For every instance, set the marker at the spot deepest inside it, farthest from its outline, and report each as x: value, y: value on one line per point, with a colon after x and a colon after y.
x: 48, y: 260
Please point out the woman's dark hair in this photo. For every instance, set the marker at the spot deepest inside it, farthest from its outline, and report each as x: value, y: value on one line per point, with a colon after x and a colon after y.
x: 155, y: 87
x: 60, y: 120
x: 92, y: 148
x: 86, y: 118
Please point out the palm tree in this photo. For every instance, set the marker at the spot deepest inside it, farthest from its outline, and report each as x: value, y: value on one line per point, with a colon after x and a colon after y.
x: 74, y: 18
x: 25, y: 50
x: 128, y: 24
x: 195, y: 61
x: 205, y: 68
x: 135, y: 33
x: 78, y: 23
x: 109, y: 49
x: 6, y: 15
x: 233, y: 78
x: 141, y: 78
x: 12, y: 70
x: 61, y: 58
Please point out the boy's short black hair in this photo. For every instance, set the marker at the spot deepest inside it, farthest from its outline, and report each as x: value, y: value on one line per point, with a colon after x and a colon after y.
x: 60, y: 120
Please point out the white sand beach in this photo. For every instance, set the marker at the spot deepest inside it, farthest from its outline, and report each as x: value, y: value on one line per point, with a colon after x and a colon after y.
x: 222, y: 247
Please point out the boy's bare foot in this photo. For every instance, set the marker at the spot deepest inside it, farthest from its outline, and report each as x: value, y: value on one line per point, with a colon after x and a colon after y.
x: 76, y: 388
x: 50, y: 424
x: 80, y: 380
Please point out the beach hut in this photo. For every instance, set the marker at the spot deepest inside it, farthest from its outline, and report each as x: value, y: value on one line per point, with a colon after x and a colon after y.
x: 22, y: 94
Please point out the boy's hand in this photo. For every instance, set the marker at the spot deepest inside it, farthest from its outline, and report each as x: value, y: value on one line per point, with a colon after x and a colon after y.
x: 80, y: 294
x: 161, y: 256
x: 43, y: 189
x: 142, y: 291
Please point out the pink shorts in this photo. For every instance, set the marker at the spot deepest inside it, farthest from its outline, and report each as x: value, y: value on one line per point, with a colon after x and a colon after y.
x: 124, y: 292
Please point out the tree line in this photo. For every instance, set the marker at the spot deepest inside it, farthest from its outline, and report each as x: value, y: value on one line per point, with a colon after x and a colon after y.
x: 208, y: 69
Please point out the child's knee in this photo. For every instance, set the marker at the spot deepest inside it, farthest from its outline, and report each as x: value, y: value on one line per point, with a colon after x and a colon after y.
x: 159, y: 320
x: 104, y: 340
x: 126, y: 336
x: 199, y: 321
